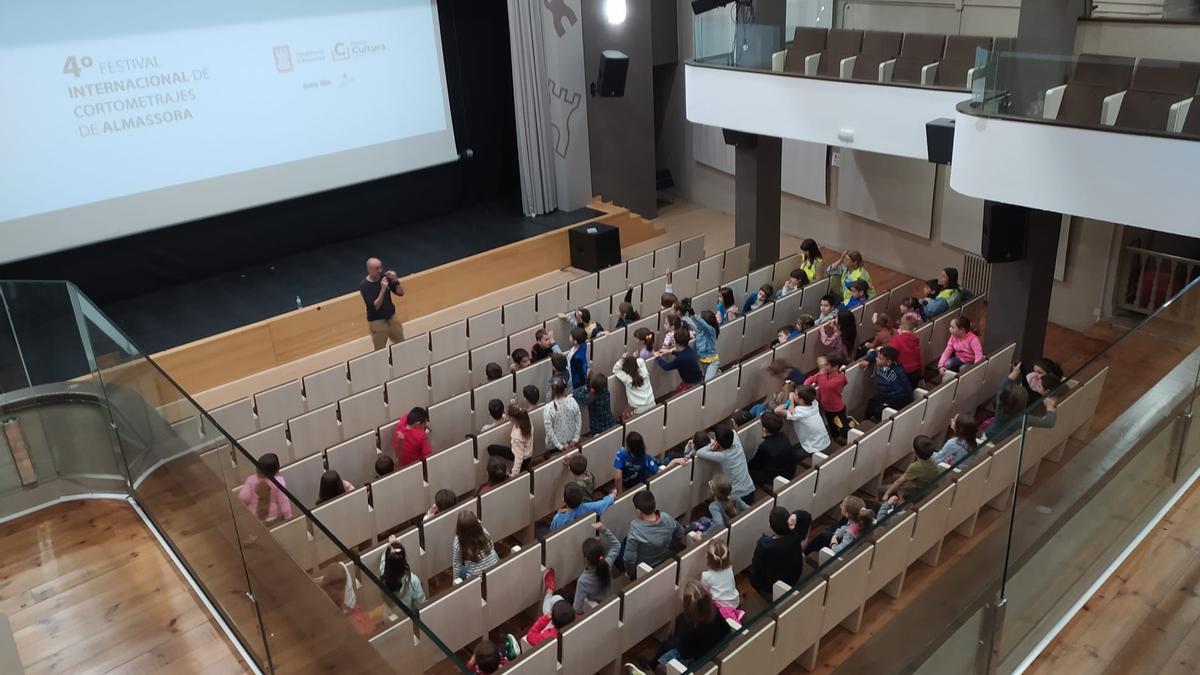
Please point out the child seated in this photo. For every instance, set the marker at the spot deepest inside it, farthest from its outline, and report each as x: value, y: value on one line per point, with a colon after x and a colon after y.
x: 917, y: 479
x: 859, y: 289
x: 543, y: 346
x: 912, y: 307
x: 796, y: 280
x: 574, y: 506
x: 645, y: 339
x: 520, y: 359
x: 559, y: 370
x: 893, y: 389
x: 684, y: 361
x: 443, y: 500
x: 758, y: 299
x: 493, y: 371
x: 497, y: 473
x: 557, y: 614
x: 856, y: 520
x: 578, y: 465
x: 805, y: 323
x: 719, y: 581
x: 828, y: 307
x: 599, y: 404
x: 962, y: 349
x: 802, y: 411
x: 486, y: 658
x: 384, y: 465
x: 496, y: 412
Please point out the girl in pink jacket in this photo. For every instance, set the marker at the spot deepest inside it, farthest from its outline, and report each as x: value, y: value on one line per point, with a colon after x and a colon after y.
x: 962, y: 349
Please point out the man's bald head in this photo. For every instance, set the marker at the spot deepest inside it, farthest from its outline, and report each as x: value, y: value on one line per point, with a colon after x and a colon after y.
x: 374, y: 267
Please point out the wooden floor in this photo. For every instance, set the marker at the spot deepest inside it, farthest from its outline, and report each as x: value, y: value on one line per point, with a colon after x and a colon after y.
x: 88, y: 590
x: 1146, y: 617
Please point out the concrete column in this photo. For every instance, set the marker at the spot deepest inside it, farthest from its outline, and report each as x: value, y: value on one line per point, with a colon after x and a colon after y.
x: 1019, y: 296
x: 1045, y: 45
x: 758, y: 170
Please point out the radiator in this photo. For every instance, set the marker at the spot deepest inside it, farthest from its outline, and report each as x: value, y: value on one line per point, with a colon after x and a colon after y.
x: 976, y: 274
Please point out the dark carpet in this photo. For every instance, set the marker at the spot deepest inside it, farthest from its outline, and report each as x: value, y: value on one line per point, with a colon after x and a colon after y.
x: 181, y: 314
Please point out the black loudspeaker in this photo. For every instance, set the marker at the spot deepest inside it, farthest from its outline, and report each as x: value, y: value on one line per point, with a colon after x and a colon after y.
x: 739, y: 139
x: 614, y: 67
x: 595, y: 246
x: 702, y: 6
x: 1005, y: 232
x: 939, y: 138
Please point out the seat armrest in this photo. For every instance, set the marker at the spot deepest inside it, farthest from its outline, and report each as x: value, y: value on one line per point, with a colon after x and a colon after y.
x: 929, y: 74
x: 818, y: 458
x: 1111, y: 107
x: 777, y: 60
x: 825, y: 555
x: 811, y: 62
x: 778, y: 589
x: 971, y: 72
x: 888, y: 413
x: 1177, y: 115
x: 1054, y: 99
x: 846, y: 67
x: 676, y: 667
x: 920, y: 393
x: 779, y: 483
x: 886, y: 69
x: 855, y: 434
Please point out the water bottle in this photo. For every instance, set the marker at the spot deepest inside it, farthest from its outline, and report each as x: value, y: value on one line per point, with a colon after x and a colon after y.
x: 299, y: 305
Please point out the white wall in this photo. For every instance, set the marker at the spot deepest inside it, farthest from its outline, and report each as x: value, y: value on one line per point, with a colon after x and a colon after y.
x: 1138, y: 38
x: 997, y: 18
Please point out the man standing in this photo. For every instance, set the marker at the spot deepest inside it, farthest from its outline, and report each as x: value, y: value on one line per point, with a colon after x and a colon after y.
x: 377, y: 291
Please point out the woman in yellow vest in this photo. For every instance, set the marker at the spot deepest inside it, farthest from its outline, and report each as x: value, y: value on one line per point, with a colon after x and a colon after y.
x: 810, y: 260
x: 851, y: 269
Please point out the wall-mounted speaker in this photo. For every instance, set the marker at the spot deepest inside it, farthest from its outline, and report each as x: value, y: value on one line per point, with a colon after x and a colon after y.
x: 939, y: 139
x: 614, y: 68
x: 1005, y: 232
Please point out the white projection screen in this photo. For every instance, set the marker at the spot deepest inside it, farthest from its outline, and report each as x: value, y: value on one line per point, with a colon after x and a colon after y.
x: 121, y: 116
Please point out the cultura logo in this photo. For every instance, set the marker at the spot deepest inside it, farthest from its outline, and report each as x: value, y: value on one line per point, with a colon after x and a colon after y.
x: 340, y: 52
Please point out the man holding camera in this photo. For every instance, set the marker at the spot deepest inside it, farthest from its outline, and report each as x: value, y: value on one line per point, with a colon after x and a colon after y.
x: 377, y: 290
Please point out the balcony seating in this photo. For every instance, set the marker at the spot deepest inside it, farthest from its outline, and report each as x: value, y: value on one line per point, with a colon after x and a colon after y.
x: 917, y: 54
x: 841, y: 44
x: 957, y: 67
x: 1159, y: 96
x: 805, y: 51
x: 877, y: 56
x: 1085, y: 99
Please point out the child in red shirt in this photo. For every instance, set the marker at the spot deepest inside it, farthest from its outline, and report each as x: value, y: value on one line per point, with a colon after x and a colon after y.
x: 557, y: 614
x: 830, y: 381
x: 908, y: 347
x: 411, y: 440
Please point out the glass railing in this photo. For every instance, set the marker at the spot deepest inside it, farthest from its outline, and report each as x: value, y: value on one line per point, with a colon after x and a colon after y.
x: 968, y: 575
x: 972, y: 574
x: 1105, y: 93
x: 92, y: 407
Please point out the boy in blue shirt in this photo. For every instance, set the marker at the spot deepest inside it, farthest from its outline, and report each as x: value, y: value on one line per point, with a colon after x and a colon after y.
x: 891, y: 382
x: 858, y: 294
x: 576, y: 508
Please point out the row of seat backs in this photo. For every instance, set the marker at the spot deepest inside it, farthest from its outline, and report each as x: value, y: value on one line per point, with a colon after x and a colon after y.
x: 315, y: 390
x: 352, y: 445
x: 401, y: 496
x: 826, y: 600
x: 1151, y: 87
x: 453, y: 412
x: 955, y: 54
